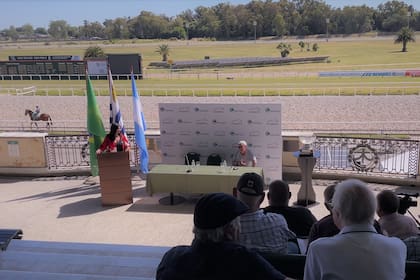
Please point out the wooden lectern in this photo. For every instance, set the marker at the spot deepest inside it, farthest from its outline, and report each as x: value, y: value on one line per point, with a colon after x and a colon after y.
x: 115, y: 178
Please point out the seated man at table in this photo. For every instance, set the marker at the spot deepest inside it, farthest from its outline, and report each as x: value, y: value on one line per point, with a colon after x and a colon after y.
x: 214, y: 253
x: 357, y: 251
x: 299, y: 219
x: 263, y: 232
x: 244, y: 156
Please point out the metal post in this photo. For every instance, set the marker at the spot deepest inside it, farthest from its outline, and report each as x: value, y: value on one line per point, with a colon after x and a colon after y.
x: 327, y: 21
x: 254, y: 23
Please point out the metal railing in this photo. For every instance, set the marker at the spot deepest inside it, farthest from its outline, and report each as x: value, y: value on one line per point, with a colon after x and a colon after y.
x: 213, y: 91
x: 391, y: 157
x: 70, y: 151
x: 387, y: 157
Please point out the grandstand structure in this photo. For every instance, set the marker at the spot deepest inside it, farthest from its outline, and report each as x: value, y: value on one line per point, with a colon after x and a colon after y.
x: 237, y: 62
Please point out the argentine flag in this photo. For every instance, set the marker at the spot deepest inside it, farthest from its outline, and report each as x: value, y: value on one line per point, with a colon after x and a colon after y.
x: 139, y: 128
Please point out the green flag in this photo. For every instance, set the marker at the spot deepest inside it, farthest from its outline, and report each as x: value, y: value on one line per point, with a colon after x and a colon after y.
x: 95, y: 126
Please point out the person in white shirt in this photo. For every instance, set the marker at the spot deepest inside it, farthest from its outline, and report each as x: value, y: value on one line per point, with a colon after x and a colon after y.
x: 244, y: 157
x: 357, y: 251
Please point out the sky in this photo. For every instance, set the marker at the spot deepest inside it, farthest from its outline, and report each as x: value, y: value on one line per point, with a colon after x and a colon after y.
x: 39, y: 13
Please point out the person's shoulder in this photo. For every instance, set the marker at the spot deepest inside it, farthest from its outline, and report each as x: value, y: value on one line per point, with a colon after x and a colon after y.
x: 177, y: 251
x: 275, y: 217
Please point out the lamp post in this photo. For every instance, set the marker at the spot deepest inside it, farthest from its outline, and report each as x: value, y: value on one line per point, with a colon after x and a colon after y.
x: 327, y: 21
x: 254, y: 23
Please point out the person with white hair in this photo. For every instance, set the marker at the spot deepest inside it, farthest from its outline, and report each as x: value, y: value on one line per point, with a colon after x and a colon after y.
x: 244, y: 156
x: 357, y: 251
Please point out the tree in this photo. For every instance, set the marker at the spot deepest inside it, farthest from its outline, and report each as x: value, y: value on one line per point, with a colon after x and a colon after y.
x: 404, y: 36
x: 279, y: 25
x: 163, y: 50
x: 284, y: 49
x: 301, y: 45
x: 58, y: 29
x: 94, y: 52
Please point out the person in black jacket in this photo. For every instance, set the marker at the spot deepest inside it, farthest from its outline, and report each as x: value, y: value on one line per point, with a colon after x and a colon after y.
x: 299, y: 219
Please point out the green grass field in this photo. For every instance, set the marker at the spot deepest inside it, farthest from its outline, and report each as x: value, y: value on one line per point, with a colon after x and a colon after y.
x: 345, y: 54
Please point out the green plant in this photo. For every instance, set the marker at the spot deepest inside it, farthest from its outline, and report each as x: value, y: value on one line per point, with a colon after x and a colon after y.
x: 284, y: 49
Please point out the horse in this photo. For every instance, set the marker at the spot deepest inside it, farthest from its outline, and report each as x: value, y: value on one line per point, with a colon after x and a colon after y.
x: 42, y: 117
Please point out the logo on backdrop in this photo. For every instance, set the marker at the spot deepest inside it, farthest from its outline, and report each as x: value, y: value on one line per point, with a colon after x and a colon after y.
x: 168, y: 132
x: 237, y: 122
x: 273, y: 122
x: 219, y: 110
x: 185, y: 133
x: 184, y: 109
x: 202, y: 122
x: 164, y: 109
x: 183, y: 121
x: 202, y: 110
x: 203, y: 145
x: 201, y: 133
x: 218, y: 122
x: 268, y: 133
x: 254, y: 122
x: 233, y: 133
x: 182, y: 144
x: 231, y: 109
x: 268, y: 109
x: 255, y: 110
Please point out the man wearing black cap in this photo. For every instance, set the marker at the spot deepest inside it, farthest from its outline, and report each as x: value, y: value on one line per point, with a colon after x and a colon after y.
x: 263, y: 232
x: 214, y: 254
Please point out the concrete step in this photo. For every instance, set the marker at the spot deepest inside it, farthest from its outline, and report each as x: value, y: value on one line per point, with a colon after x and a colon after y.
x: 46, y: 260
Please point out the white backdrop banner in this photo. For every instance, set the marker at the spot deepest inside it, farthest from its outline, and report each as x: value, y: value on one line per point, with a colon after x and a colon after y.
x: 217, y: 128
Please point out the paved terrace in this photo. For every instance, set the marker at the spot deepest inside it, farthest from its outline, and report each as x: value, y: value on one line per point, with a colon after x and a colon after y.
x: 68, y: 209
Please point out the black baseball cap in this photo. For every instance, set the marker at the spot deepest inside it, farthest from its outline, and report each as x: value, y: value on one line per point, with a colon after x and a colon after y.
x: 251, y: 184
x: 217, y: 209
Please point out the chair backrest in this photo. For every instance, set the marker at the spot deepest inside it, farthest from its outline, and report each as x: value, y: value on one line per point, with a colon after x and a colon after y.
x: 214, y: 159
x: 291, y: 265
x: 192, y: 156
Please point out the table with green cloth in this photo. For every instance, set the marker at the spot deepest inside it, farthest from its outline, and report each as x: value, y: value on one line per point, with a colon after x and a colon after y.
x: 167, y: 178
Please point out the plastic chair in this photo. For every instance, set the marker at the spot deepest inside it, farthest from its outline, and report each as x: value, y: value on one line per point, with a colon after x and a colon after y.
x: 214, y: 159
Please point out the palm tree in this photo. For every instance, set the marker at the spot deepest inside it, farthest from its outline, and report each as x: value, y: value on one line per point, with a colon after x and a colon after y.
x: 163, y: 50
x: 94, y: 52
x: 404, y: 36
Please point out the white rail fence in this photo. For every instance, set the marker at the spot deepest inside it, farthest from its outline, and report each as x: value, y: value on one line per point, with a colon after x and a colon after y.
x: 315, y: 91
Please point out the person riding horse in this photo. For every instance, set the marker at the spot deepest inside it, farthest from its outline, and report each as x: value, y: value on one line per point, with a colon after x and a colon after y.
x: 36, y: 113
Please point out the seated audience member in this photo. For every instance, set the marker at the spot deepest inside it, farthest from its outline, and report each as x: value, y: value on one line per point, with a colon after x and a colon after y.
x: 326, y: 227
x: 413, y: 248
x: 299, y: 219
x: 214, y: 253
x: 244, y: 157
x: 357, y: 251
x: 392, y: 222
x: 261, y: 232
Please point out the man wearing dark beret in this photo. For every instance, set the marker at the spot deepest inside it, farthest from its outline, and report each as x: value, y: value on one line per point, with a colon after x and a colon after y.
x: 214, y: 253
